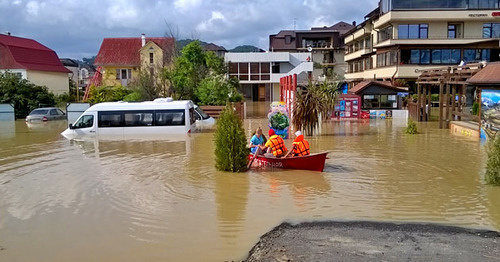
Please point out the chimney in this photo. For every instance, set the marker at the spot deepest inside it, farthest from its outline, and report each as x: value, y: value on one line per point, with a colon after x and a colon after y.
x: 143, y: 39
x: 354, y: 23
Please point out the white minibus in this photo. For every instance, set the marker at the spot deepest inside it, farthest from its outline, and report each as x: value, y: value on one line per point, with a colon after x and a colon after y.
x: 160, y: 117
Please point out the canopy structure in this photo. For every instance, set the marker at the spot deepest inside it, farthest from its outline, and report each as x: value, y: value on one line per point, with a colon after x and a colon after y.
x: 452, y: 82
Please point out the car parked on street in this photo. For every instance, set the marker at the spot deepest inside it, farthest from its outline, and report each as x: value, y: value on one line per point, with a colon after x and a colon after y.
x: 45, y: 114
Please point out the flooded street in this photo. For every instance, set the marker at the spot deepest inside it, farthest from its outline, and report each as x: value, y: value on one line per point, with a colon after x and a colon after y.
x: 163, y: 200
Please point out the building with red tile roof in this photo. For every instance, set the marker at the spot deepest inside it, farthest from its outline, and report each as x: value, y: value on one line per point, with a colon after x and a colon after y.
x: 122, y: 59
x: 33, y: 61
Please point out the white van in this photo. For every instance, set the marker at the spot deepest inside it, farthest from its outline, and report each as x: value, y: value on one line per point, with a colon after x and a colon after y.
x: 123, y: 120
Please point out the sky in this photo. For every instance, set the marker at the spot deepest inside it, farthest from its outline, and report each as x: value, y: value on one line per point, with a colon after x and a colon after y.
x: 75, y: 29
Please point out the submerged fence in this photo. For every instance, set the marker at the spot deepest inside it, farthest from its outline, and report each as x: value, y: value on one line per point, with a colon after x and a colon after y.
x: 75, y: 110
x: 7, y: 112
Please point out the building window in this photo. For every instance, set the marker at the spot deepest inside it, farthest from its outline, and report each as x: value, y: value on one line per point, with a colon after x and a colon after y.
x: 288, y: 39
x: 387, y: 59
x: 151, y: 58
x: 385, y: 34
x: 452, y: 31
x: 477, y: 55
x: 483, y: 4
x: 413, y: 31
x: 380, y: 101
x: 491, y: 30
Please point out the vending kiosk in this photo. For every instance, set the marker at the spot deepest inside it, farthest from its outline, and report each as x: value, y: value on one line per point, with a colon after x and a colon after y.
x: 348, y: 107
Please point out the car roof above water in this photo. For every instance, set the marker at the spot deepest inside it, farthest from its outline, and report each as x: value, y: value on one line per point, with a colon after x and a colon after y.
x: 148, y: 105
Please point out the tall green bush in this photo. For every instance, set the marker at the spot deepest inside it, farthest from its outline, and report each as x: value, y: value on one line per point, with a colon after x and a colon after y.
x: 493, y: 162
x: 231, y: 152
x: 23, y: 95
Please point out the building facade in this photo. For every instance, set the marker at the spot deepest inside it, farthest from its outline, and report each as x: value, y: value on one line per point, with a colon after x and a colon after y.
x: 401, y: 37
x: 34, y: 62
x: 259, y: 73
x: 324, y: 43
x: 122, y: 59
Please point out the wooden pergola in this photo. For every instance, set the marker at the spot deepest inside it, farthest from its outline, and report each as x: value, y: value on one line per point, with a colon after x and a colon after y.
x: 451, y: 81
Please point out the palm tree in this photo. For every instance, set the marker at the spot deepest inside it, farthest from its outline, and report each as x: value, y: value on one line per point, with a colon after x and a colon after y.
x: 314, y: 104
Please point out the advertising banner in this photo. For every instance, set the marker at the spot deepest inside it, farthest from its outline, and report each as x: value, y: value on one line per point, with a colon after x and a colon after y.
x: 490, y: 112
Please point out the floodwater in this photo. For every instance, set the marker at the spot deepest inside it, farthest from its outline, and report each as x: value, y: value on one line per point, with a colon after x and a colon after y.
x: 149, y: 200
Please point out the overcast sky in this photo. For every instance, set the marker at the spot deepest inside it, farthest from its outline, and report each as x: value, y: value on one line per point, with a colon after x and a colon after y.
x: 75, y: 29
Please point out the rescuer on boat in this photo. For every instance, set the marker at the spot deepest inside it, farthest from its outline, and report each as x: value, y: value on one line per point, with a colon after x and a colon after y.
x: 275, y: 145
x: 300, y: 146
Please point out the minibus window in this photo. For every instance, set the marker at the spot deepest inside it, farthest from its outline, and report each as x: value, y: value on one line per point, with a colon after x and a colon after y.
x: 141, y: 118
x: 191, y: 116
x: 110, y: 119
x: 170, y: 118
x: 85, y: 121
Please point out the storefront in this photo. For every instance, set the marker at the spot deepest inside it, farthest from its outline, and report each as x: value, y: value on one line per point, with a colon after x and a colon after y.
x: 379, y: 95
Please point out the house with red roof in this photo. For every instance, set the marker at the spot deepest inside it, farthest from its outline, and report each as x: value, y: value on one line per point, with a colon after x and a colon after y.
x: 122, y: 59
x: 33, y: 61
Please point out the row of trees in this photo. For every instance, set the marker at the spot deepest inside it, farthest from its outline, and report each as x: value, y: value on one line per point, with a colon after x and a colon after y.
x: 195, y: 74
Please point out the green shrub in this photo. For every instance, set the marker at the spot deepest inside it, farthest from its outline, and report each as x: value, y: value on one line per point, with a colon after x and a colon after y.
x: 493, y: 162
x: 216, y: 90
x: 107, y: 94
x: 135, y: 96
x: 231, y: 152
x: 411, y: 128
x: 23, y: 95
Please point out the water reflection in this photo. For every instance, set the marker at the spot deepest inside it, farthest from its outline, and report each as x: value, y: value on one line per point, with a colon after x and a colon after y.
x: 153, y: 199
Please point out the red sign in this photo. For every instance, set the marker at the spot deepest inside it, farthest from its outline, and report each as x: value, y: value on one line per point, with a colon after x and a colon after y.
x: 495, y: 14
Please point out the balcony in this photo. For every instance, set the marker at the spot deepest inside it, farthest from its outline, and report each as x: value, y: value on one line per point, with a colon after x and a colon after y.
x: 317, y: 45
x: 435, y: 40
x: 357, y: 54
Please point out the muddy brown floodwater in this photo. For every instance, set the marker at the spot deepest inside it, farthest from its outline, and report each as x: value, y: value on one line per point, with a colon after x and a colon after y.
x: 149, y: 200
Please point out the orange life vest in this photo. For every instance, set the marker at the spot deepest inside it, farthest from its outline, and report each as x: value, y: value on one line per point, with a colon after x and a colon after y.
x: 300, y: 146
x: 277, y: 145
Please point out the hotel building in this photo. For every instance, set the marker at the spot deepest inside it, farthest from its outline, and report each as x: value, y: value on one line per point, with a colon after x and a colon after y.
x: 401, y: 37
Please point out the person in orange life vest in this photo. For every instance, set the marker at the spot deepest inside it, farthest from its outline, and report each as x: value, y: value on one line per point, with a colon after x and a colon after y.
x: 275, y: 145
x: 300, y: 146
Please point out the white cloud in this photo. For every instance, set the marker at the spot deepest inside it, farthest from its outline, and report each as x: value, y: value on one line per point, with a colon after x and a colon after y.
x: 32, y: 8
x: 185, y: 5
x: 211, y: 24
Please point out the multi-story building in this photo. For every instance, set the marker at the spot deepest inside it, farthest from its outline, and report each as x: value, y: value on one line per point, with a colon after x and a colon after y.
x: 122, y: 59
x: 401, y: 37
x: 259, y: 73
x: 325, y: 44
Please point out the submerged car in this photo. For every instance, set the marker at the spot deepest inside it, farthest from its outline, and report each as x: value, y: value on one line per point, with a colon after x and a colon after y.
x: 46, y: 114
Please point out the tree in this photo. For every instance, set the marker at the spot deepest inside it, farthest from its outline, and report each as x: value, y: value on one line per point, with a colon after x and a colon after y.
x: 318, y: 100
x: 23, y: 95
x: 191, y: 68
x: 218, y: 90
x: 231, y: 152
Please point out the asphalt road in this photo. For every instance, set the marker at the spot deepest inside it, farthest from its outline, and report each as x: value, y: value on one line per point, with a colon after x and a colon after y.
x: 371, y: 241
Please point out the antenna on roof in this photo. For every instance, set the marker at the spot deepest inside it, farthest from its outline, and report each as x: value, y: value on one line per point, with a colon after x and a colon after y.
x: 294, y: 23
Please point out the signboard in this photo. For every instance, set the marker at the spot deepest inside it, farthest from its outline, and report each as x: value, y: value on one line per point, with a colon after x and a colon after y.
x: 348, y: 107
x: 490, y: 112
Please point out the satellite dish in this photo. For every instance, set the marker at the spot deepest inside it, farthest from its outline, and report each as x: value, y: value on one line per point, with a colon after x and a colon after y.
x: 309, y: 49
